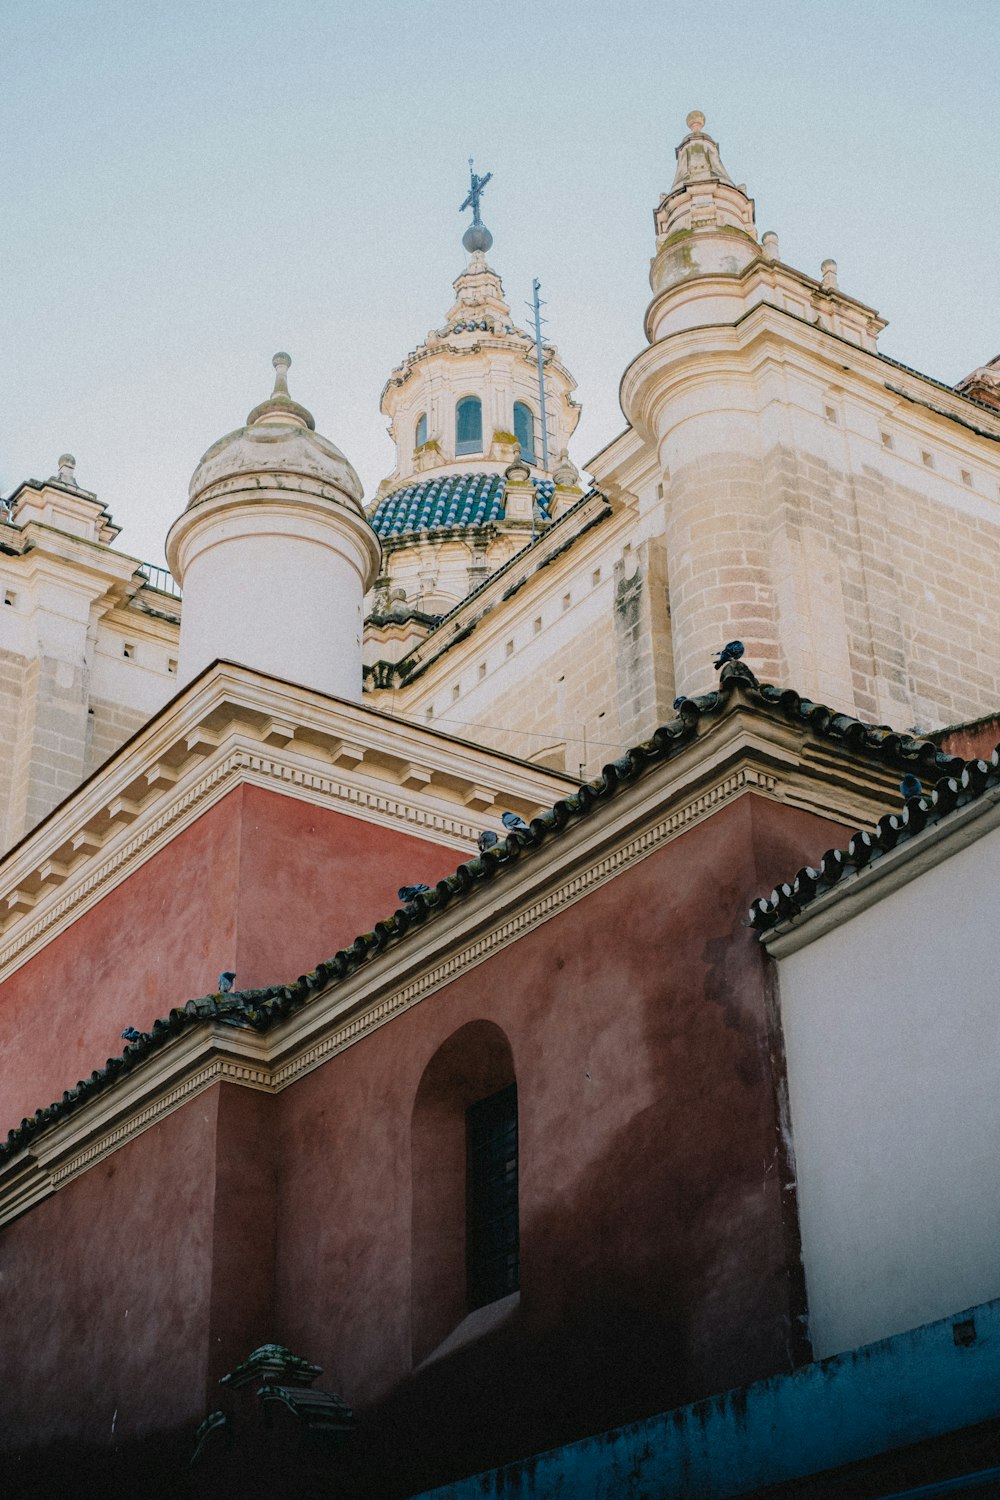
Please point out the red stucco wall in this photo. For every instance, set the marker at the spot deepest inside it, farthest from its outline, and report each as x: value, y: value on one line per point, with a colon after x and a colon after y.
x: 105, y: 1292
x: 655, y: 1260
x: 261, y: 883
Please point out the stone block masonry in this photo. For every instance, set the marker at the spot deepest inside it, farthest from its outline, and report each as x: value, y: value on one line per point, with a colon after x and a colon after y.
x: 862, y: 591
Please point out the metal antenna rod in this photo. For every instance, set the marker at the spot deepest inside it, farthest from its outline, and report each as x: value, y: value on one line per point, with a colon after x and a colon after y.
x: 536, y: 308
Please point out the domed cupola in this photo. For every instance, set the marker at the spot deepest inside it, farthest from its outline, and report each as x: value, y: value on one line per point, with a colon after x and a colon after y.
x: 274, y: 553
x: 464, y: 407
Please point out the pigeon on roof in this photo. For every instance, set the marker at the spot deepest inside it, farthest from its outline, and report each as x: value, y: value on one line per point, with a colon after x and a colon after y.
x: 511, y: 820
x: 731, y: 651
x: 130, y: 1034
x: 487, y: 840
x: 910, y: 786
x: 226, y: 981
x: 408, y: 892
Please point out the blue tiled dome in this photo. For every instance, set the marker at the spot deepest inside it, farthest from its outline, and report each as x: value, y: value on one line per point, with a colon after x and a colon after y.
x: 456, y: 500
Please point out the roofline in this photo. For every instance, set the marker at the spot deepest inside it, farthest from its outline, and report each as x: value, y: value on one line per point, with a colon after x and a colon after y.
x: 256, y: 1012
x: 764, y: 307
x: 224, y: 662
x: 539, y: 551
x: 961, y: 809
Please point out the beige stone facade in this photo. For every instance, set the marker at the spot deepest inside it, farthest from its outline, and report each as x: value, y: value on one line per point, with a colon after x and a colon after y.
x: 88, y: 646
x: 779, y: 482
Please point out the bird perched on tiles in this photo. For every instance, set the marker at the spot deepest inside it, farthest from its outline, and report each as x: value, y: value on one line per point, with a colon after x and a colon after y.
x: 407, y: 892
x: 487, y: 840
x: 511, y: 820
x: 910, y: 786
x: 226, y: 981
x: 130, y: 1034
x: 731, y: 651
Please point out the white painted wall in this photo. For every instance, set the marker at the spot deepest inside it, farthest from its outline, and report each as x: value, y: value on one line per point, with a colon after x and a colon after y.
x: 892, y: 1033
x: 275, y: 583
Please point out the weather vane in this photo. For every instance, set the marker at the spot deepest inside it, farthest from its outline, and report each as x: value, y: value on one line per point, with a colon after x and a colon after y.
x: 477, y: 237
x: 475, y: 193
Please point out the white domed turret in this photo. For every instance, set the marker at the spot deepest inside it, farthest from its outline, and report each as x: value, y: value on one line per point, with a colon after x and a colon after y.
x: 274, y: 553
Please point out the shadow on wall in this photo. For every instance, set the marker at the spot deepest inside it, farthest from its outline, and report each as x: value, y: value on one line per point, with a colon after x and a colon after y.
x: 473, y: 1064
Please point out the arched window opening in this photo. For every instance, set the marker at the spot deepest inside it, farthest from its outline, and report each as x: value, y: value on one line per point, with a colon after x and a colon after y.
x: 524, y: 430
x: 421, y: 434
x: 465, y: 1179
x: 469, y: 425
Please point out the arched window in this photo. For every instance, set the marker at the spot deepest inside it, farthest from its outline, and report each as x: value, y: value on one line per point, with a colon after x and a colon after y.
x: 469, y: 425
x: 524, y: 430
x: 421, y: 435
x: 465, y: 1179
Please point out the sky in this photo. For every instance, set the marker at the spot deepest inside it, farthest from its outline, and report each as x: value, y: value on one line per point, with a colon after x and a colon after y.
x: 186, y: 188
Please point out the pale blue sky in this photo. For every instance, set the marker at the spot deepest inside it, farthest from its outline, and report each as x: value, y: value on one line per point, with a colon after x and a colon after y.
x: 186, y: 188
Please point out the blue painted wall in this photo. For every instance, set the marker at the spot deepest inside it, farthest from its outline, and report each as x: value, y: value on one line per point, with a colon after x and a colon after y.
x: 933, y: 1380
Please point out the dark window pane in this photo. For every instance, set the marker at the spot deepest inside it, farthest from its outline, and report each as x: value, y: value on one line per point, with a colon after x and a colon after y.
x: 492, y: 1234
x: 524, y: 430
x: 469, y: 425
x: 421, y: 434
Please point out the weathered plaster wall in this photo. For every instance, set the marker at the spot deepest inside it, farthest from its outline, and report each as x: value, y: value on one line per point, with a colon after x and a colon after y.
x: 126, y: 1297
x: 656, y: 1257
x: 261, y: 883
x: 311, y: 880
x: 892, y: 1046
x: 105, y: 1295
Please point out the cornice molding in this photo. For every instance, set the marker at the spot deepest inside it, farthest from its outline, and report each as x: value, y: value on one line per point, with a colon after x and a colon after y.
x: 538, y: 561
x: 670, y: 363
x: 251, y: 730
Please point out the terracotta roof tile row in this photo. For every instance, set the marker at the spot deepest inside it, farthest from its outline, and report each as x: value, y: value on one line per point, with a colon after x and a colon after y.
x: 261, y: 1009
x: 790, y: 900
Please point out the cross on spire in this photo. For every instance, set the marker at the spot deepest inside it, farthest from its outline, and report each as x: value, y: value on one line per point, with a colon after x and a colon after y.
x: 475, y: 193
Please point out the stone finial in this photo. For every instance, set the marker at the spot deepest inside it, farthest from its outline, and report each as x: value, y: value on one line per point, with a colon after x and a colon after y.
x: 769, y: 245
x: 279, y: 407
x: 828, y: 271
x: 698, y: 157
x: 282, y: 364
x: 67, y: 470
x: 565, y: 473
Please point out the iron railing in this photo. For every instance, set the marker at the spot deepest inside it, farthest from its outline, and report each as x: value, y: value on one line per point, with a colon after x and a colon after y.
x: 161, y: 579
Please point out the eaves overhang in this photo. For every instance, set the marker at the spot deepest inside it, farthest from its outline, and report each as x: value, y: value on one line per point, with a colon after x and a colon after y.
x: 233, y: 726
x: 927, y: 830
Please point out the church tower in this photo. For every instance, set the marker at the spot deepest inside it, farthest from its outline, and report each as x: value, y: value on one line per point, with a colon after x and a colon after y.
x: 274, y: 553
x: 470, y: 484
x: 809, y: 496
